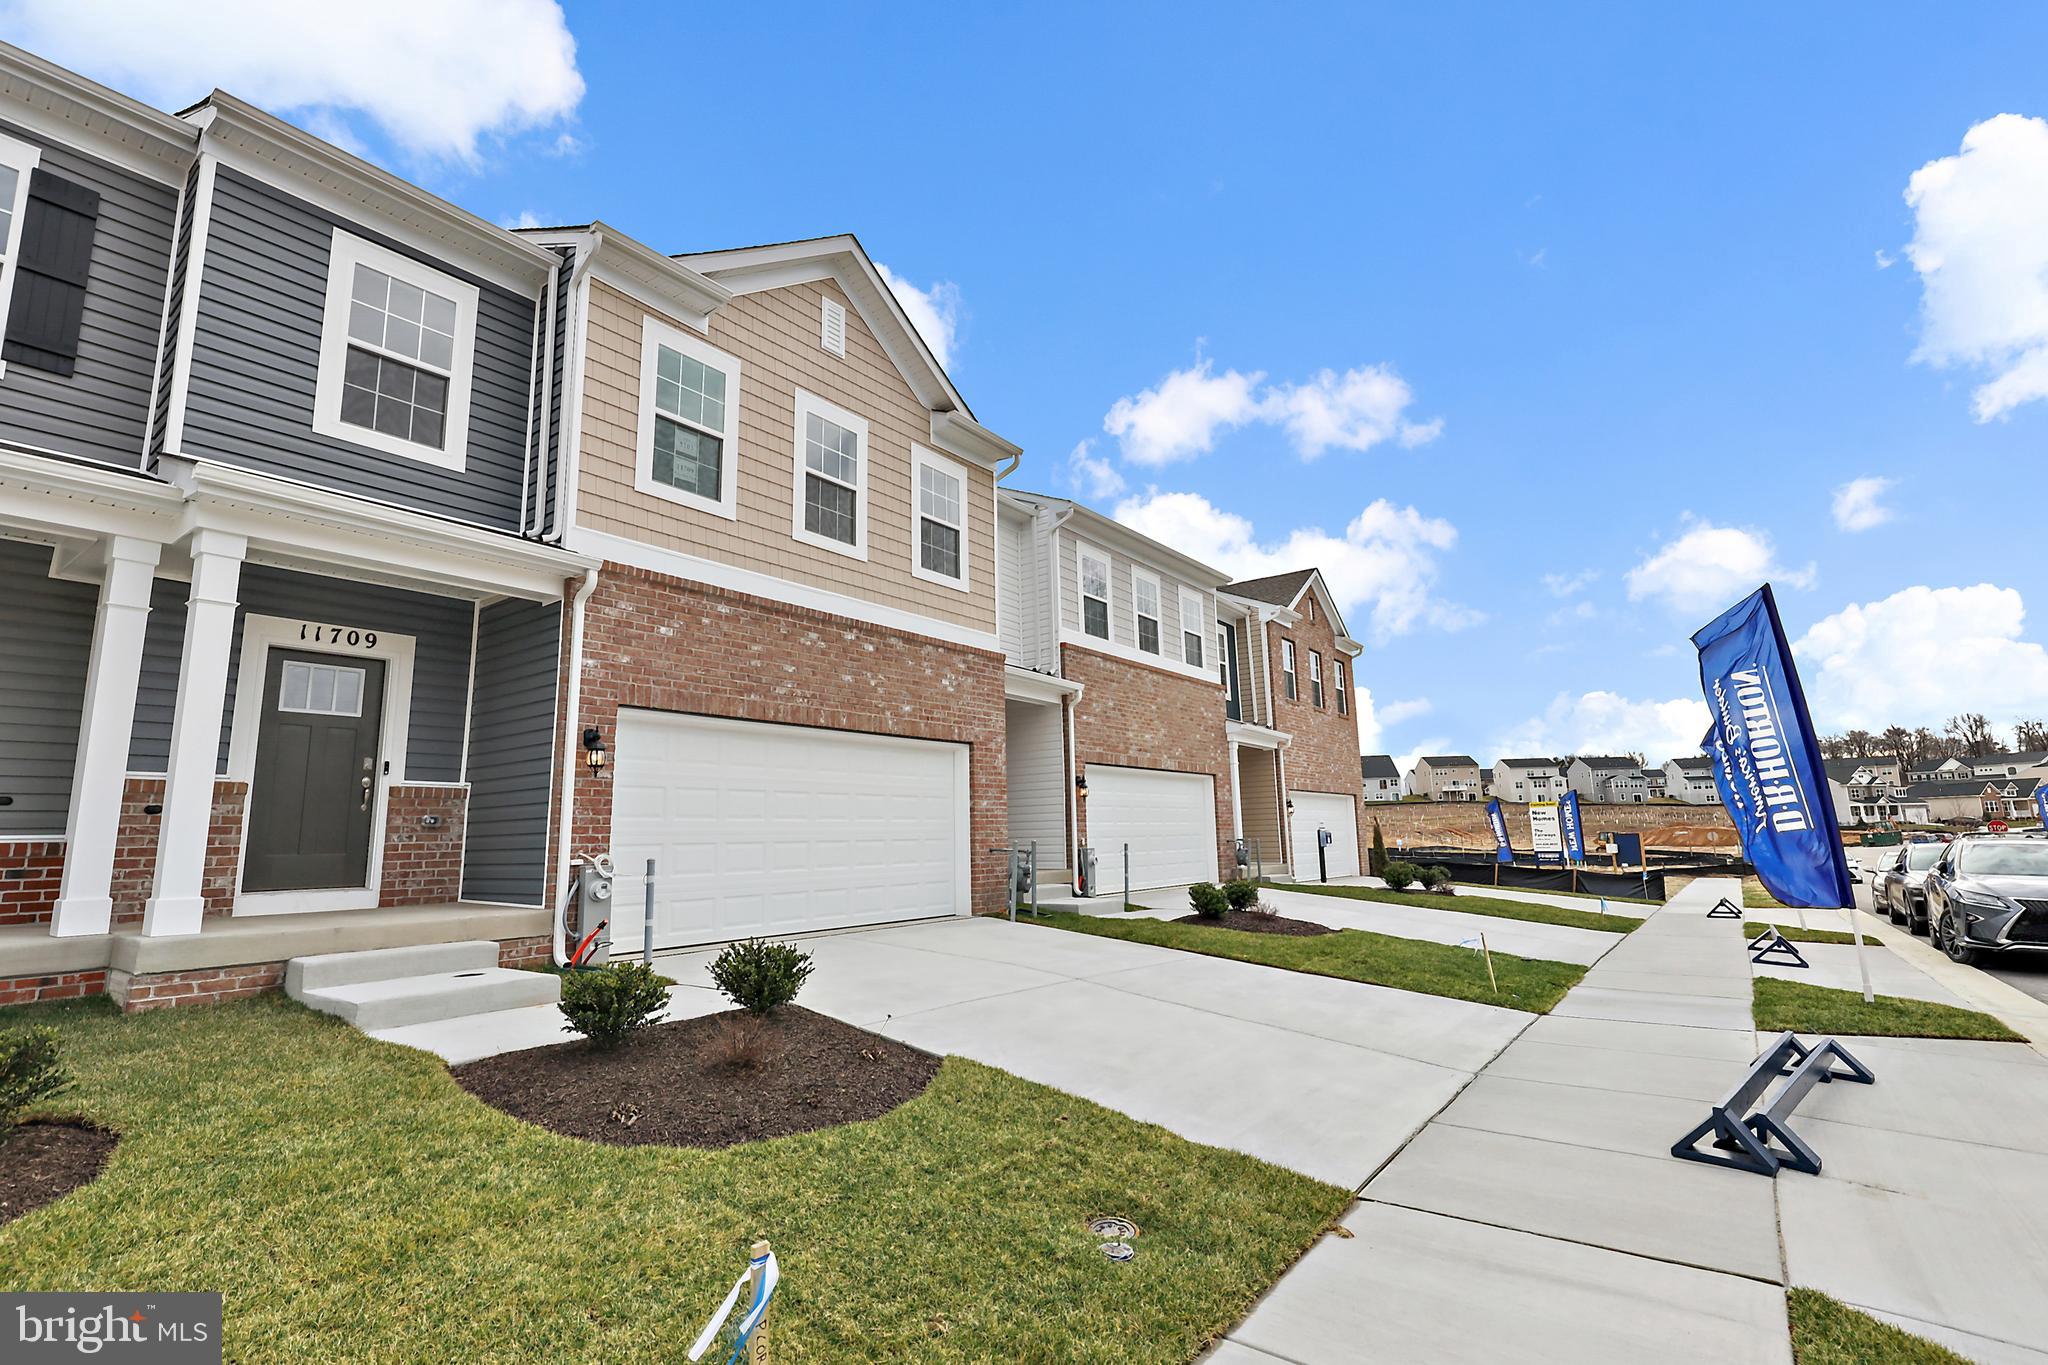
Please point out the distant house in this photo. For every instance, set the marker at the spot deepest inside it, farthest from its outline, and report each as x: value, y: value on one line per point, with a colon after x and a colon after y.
x: 1446, y: 777
x: 2009, y: 799
x: 1382, y: 777
x: 1948, y: 770
x: 1991, y: 767
x: 1528, y: 779
x: 1590, y: 774
x: 1691, y: 779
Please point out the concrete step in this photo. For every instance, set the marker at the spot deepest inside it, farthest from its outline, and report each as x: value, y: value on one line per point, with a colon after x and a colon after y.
x: 397, y: 1001
x: 327, y: 970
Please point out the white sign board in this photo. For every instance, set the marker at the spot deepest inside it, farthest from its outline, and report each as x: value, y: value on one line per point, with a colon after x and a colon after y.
x: 1546, y: 835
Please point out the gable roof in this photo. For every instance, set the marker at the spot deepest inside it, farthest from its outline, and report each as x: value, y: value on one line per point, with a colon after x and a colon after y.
x: 2013, y: 760
x: 1378, y: 765
x: 1545, y: 763
x: 1109, y: 533
x: 1277, y: 590
x: 1842, y: 769
x: 1601, y: 763
x: 1449, y: 760
x: 1693, y: 763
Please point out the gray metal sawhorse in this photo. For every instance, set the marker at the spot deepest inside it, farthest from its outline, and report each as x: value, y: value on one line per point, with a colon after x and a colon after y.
x: 1743, y: 1135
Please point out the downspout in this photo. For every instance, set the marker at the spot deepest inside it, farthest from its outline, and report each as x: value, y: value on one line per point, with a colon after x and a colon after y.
x: 1073, y: 793
x: 576, y: 344
x: 570, y: 717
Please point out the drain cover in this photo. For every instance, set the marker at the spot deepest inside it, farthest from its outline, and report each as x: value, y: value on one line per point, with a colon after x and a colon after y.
x: 1112, y: 1228
x: 1119, y: 1251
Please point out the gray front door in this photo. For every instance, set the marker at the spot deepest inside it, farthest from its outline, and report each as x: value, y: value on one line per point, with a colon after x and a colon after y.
x: 316, y: 773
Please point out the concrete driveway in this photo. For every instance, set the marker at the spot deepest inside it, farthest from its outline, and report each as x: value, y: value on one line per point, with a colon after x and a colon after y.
x: 1325, y: 1077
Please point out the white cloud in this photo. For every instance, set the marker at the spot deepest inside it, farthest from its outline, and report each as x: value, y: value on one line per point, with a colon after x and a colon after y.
x: 1384, y: 565
x: 935, y: 312
x: 1375, y: 720
x: 1857, y: 504
x: 1980, y: 245
x: 1566, y: 585
x: 1709, y: 567
x: 525, y: 218
x: 1096, y: 478
x: 1884, y: 259
x: 1356, y: 410
x: 1179, y: 416
x: 1609, y: 723
x: 1922, y: 655
x: 1395, y: 712
x: 436, y: 77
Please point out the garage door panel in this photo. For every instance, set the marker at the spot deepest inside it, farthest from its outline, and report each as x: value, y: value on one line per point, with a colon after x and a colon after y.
x: 769, y: 829
x: 1167, y: 818
x: 1339, y: 814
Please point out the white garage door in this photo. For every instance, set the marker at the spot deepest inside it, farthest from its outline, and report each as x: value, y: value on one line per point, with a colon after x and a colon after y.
x: 760, y: 829
x: 1325, y: 810
x: 1168, y: 819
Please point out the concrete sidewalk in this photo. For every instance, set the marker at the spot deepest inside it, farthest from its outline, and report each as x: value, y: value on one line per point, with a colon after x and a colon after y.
x: 1540, y: 1216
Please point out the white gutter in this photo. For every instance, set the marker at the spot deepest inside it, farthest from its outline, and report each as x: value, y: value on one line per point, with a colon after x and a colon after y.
x: 571, y: 718
x: 572, y: 389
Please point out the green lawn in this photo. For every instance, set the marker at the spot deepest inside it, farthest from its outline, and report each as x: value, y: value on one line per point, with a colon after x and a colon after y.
x: 1826, y: 1331
x: 356, y: 1205
x: 1780, y: 1005
x: 1473, y: 905
x: 1799, y: 935
x: 1530, y: 984
x: 1754, y: 897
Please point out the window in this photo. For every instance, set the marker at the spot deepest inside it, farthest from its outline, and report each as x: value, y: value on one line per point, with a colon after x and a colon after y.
x: 832, y: 326
x: 1223, y: 663
x: 1343, y: 690
x: 689, y: 420
x: 1287, y: 669
x: 18, y: 161
x: 1145, y: 604
x: 940, y: 553
x: 395, y: 354
x: 1191, y: 632
x: 320, y: 689
x: 1094, y: 593
x: 1315, y: 678
x: 831, y: 477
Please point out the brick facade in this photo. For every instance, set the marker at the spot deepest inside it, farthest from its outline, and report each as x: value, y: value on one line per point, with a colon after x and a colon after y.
x: 1132, y: 715
x: 422, y: 861
x: 665, y: 644
x: 524, y: 952
x: 28, y: 990
x: 1322, y: 749
x: 135, y: 847
x: 206, y: 986
x: 30, y: 872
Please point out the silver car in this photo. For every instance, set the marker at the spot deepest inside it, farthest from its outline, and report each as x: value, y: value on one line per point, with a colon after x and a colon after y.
x: 1898, y: 887
x: 1989, y: 895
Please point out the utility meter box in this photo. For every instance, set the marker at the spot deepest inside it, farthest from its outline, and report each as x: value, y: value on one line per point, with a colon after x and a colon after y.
x: 1086, y: 868
x: 594, y: 906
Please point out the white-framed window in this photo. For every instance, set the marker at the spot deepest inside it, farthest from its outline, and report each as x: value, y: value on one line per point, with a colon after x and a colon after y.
x: 1145, y: 606
x: 397, y: 346
x: 938, y: 551
x: 1343, y: 681
x: 1223, y: 662
x: 1315, y: 678
x: 1193, y: 626
x: 832, y: 325
x: 1094, y: 592
x: 18, y: 161
x: 831, y: 486
x: 310, y: 689
x: 1287, y: 674
x: 689, y: 420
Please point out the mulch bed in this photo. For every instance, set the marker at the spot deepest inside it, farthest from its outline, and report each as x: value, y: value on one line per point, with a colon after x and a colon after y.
x: 1261, y: 924
x: 677, y: 1084
x: 41, y: 1162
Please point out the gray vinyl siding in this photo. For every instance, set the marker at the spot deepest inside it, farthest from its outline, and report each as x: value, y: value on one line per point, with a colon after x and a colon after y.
x: 440, y: 681
x: 101, y: 411
x: 554, y: 435
x: 511, y: 752
x: 256, y: 360
x: 47, y: 629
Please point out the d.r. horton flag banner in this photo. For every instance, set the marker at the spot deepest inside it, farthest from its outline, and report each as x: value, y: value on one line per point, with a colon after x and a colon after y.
x: 1767, y: 762
x: 1503, y: 851
x: 1574, y: 832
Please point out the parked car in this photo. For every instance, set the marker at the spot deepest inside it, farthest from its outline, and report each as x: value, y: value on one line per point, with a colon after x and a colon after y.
x: 1989, y: 894
x: 1897, y: 888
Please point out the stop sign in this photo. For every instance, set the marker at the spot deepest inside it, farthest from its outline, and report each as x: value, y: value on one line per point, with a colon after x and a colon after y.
x: 1997, y: 827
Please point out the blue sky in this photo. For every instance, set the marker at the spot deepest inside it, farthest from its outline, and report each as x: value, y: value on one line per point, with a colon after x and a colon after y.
x: 1547, y: 331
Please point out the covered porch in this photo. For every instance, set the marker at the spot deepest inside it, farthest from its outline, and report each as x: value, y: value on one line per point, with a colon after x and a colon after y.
x: 1038, y: 754
x: 1258, y: 789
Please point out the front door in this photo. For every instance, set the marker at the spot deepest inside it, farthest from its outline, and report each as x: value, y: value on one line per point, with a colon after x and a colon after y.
x: 315, y: 784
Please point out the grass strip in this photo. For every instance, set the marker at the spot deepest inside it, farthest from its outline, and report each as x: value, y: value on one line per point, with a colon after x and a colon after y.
x: 1798, y: 935
x: 1533, y: 912
x: 1529, y: 984
x: 1794, y: 1005
x: 1827, y: 1331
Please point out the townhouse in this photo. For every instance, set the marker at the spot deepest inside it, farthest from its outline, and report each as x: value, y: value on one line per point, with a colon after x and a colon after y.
x: 280, y: 560
x: 1382, y: 777
x: 1690, y: 778
x: 1528, y: 779
x: 1446, y: 777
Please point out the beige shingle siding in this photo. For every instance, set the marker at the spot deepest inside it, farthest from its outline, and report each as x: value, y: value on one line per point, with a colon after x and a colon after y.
x: 775, y: 335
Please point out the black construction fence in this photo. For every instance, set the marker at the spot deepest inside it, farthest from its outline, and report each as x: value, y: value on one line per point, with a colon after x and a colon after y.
x: 1469, y: 868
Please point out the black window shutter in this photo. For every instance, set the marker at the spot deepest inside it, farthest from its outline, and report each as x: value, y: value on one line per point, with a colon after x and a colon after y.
x: 50, y: 274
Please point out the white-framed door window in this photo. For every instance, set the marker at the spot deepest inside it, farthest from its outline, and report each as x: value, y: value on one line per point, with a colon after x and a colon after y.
x: 339, y: 643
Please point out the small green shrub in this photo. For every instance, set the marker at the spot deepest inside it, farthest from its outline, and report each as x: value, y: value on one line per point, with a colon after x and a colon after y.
x: 1437, y: 878
x: 1376, y: 860
x: 29, y: 1071
x: 1401, y: 875
x: 1241, y: 892
x: 760, y: 977
x: 607, y: 1005
x: 1208, y: 900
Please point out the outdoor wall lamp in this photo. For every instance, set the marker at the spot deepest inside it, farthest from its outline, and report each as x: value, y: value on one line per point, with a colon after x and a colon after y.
x: 593, y: 749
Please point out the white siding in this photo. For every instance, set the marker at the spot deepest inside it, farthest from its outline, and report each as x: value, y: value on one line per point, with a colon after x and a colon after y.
x: 1038, y: 782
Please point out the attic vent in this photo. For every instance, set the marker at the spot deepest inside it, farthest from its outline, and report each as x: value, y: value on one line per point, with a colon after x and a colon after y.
x: 832, y: 327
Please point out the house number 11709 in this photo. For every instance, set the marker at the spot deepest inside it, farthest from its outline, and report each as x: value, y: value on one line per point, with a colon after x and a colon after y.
x: 337, y: 635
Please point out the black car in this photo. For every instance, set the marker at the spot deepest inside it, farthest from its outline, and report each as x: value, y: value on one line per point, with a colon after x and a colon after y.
x: 1989, y: 895
x: 1896, y: 889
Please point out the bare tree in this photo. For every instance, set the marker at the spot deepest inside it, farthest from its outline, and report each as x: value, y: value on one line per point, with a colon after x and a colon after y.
x: 1860, y: 743
x: 1898, y: 746
x: 2030, y: 736
x: 1971, y: 734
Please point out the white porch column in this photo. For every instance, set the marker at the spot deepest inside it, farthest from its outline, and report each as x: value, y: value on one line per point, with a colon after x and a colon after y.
x: 178, y: 905
x: 84, y: 904
x: 1236, y: 793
